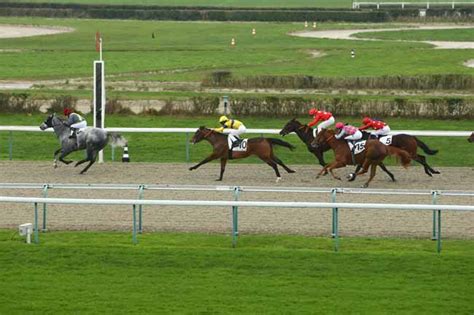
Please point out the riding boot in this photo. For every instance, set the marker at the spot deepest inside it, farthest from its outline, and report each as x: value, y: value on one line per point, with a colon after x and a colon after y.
x: 352, y: 152
x: 73, y: 133
x: 372, y: 136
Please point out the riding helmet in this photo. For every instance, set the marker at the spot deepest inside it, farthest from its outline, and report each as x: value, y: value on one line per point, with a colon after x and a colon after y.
x: 366, y: 120
x: 223, y: 119
x: 313, y: 111
x: 67, y: 111
x: 339, y: 125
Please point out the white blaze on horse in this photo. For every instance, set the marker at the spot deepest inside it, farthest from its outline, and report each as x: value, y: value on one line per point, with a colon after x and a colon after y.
x: 90, y: 139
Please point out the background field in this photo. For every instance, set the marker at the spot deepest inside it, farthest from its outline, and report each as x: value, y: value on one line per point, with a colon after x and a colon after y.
x: 228, y: 3
x: 188, y: 51
x: 171, y: 147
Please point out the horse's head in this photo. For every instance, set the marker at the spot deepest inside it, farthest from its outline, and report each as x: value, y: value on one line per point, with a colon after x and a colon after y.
x: 471, y: 138
x: 48, y: 123
x: 290, y: 127
x: 322, y: 137
x: 200, y: 134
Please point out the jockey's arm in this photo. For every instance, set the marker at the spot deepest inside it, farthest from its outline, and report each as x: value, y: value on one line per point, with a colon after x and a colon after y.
x: 314, y: 122
x: 364, y: 127
x: 340, y: 134
x: 220, y: 129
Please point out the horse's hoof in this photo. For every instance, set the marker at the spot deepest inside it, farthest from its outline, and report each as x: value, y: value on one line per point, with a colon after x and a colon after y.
x: 278, y: 179
x: 219, y: 180
x: 365, y: 185
x: 338, y: 178
x: 351, y: 177
x: 191, y: 168
x: 291, y: 171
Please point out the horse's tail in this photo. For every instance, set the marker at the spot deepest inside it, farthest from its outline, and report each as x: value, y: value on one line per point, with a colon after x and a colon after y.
x: 116, y: 140
x: 402, y: 155
x: 282, y: 143
x: 424, y: 147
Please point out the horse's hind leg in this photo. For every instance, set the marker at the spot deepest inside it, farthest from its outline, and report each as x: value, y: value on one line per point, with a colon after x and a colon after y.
x: 425, y: 164
x: 274, y: 166
x: 421, y: 159
x: 91, y: 157
x: 280, y: 162
x: 382, y: 166
x: 373, y: 168
x: 55, y: 163
x: 63, y: 155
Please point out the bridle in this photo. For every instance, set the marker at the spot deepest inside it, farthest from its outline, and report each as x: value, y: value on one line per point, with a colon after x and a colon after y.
x: 52, y: 122
x: 207, y: 133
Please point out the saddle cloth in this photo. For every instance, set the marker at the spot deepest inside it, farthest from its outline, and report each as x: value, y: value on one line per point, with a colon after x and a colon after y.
x: 387, y: 140
x: 242, y: 147
x: 359, y: 146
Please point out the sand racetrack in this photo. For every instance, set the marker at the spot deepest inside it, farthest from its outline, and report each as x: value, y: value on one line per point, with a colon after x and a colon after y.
x: 251, y: 220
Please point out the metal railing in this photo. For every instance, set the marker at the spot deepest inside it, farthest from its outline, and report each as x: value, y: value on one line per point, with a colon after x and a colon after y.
x: 237, y: 190
x: 188, y: 131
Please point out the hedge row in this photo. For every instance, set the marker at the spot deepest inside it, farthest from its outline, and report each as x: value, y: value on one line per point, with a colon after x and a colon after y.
x: 219, y: 14
x: 224, y: 79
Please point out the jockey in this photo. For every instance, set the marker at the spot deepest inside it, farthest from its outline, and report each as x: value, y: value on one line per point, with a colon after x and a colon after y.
x: 348, y: 132
x: 74, y: 121
x: 326, y: 119
x: 380, y: 128
x: 235, y: 127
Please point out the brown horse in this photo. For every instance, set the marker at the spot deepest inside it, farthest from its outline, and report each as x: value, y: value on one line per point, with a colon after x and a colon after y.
x: 305, y: 133
x: 471, y: 138
x: 261, y: 147
x: 375, y: 152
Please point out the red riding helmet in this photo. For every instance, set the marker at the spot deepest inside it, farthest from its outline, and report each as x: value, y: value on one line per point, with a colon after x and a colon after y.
x: 313, y: 111
x: 67, y: 111
x: 339, y: 125
x: 366, y: 120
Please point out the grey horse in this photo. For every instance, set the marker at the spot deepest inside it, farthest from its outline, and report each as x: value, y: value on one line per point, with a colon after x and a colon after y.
x: 90, y: 139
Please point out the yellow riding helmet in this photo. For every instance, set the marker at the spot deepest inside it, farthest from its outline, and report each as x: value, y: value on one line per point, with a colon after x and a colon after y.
x: 223, y: 119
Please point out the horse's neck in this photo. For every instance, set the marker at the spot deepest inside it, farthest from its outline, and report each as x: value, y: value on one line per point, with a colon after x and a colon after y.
x: 59, y: 128
x: 215, y: 138
x: 305, y: 136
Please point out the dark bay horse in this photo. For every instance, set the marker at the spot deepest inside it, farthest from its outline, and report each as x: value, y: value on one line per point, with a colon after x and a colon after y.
x: 261, y: 147
x: 375, y: 152
x: 90, y: 139
x: 471, y: 138
x: 305, y: 133
x: 411, y: 144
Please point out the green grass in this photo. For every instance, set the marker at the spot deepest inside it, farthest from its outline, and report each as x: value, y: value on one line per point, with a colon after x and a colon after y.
x: 85, y: 272
x: 228, y: 3
x: 188, y: 51
x: 171, y: 147
x: 452, y: 35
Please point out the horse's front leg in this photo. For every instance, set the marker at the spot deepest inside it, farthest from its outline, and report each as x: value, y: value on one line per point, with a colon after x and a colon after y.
x: 223, y: 163
x: 211, y: 157
x: 63, y: 155
x: 335, y: 165
x: 55, y: 161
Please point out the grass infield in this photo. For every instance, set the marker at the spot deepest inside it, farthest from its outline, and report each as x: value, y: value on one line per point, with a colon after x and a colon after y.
x: 86, y: 272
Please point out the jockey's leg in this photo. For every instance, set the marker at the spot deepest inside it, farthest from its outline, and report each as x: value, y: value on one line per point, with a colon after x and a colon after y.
x: 382, y: 132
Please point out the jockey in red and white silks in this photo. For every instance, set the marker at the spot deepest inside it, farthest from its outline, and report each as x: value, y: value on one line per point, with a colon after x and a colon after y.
x: 380, y: 127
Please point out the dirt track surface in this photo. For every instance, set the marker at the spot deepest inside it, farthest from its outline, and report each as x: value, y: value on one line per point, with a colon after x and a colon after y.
x: 251, y: 220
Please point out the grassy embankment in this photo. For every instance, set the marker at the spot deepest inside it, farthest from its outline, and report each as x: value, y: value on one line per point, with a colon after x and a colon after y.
x: 192, y: 273
x: 171, y: 147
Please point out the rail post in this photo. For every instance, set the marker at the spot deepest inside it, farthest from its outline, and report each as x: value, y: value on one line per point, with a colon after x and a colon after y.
x: 36, y: 224
x: 335, y: 221
x: 134, y: 229
x: 438, y: 245
x: 235, y: 217
x: 334, y: 212
x: 434, y: 200
x: 187, y: 146
x: 113, y: 153
x: 141, y: 192
x: 10, y: 145
x: 45, y: 195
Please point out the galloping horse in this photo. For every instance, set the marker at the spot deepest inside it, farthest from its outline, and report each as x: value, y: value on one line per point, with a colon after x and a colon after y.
x: 305, y: 133
x: 375, y: 152
x: 410, y: 144
x: 91, y: 139
x: 261, y: 147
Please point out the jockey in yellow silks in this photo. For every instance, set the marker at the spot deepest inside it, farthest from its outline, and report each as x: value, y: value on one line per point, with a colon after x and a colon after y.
x: 235, y: 129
